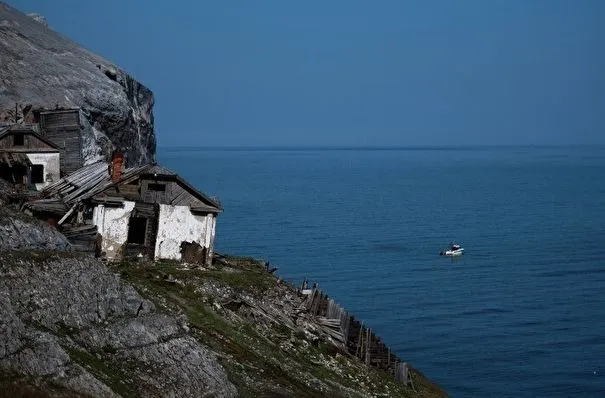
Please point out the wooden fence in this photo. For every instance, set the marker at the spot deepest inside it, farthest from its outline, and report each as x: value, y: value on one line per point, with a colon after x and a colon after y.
x: 352, y: 336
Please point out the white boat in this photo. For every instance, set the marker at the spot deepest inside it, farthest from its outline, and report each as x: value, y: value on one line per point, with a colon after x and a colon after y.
x: 453, y: 251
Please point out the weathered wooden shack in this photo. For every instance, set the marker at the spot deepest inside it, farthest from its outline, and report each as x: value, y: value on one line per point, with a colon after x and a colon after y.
x: 146, y: 211
x: 62, y: 127
x: 28, y: 159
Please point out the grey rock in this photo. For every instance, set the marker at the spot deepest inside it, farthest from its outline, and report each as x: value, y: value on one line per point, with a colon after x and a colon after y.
x: 76, y: 379
x: 18, y: 231
x: 41, y: 19
x: 39, y: 355
x: 41, y: 69
x: 12, y: 328
x: 131, y: 333
x: 73, y: 293
x: 30, y: 352
x: 198, y: 369
x: 75, y: 301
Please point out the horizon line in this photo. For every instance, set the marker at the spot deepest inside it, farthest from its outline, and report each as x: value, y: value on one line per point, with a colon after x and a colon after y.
x: 370, y: 147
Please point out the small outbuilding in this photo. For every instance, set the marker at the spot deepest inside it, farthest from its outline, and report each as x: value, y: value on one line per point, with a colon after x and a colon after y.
x: 27, y: 158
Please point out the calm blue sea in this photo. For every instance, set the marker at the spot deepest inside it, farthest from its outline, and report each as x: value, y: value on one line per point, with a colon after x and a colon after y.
x: 521, y: 314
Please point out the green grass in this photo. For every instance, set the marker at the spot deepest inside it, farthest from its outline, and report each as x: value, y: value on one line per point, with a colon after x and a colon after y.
x: 256, y: 282
x: 246, y: 349
x: 113, y: 377
x: 18, y: 386
x: 242, y: 342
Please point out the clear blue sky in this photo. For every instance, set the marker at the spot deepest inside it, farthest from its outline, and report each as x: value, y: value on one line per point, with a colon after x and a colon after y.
x: 240, y: 73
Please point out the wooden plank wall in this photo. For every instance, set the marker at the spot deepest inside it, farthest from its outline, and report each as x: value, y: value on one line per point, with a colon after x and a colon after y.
x: 174, y: 194
x: 361, y: 341
x: 138, y: 190
x: 63, y: 129
x: 69, y: 142
x: 82, y: 237
x: 30, y: 142
x: 59, y: 118
x: 151, y: 196
x: 6, y: 142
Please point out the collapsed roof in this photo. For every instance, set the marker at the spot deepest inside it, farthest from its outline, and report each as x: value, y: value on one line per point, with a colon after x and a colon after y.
x: 94, y: 180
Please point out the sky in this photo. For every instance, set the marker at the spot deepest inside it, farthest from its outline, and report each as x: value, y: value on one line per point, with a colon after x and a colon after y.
x: 355, y: 73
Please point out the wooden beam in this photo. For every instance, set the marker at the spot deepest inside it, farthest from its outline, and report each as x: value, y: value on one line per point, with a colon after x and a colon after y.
x: 62, y: 220
x: 7, y: 159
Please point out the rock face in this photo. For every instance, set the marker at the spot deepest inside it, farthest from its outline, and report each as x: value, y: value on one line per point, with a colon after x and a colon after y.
x: 40, y: 69
x: 69, y: 322
x: 19, y: 232
x: 66, y: 320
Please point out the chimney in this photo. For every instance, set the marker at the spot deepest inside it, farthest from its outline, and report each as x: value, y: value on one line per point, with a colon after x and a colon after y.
x: 117, y: 164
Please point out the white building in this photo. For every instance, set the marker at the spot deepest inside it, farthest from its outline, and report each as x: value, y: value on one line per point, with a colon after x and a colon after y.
x: 28, y: 159
x: 146, y: 211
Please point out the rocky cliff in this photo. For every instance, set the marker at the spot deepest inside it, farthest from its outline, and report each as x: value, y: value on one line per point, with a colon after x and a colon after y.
x: 71, y: 325
x: 40, y: 69
x: 69, y: 322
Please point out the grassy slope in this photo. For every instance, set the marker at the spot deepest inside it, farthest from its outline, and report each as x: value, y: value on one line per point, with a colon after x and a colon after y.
x: 262, y: 359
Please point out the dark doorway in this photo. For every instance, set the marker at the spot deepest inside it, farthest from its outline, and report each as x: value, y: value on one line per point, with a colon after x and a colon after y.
x: 137, y: 229
x: 37, y: 176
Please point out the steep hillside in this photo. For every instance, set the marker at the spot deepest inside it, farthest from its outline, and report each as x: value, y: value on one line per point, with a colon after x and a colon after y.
x: 71, y: 325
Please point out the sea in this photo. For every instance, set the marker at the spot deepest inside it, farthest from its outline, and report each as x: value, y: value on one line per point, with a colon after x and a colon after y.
x: 520, y: 314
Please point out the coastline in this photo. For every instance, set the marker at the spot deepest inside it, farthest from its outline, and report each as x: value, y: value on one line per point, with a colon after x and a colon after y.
x: 74, y: 324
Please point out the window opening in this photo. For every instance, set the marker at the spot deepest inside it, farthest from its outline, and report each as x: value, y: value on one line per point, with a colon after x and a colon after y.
x: 19, y: 139
x: 157, y: 187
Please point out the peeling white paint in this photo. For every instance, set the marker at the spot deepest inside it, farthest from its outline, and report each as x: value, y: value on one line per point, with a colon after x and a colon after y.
x: 112, y: 224
x: 212, y: 236
x: 51, y: 164
x: 176, y: 224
